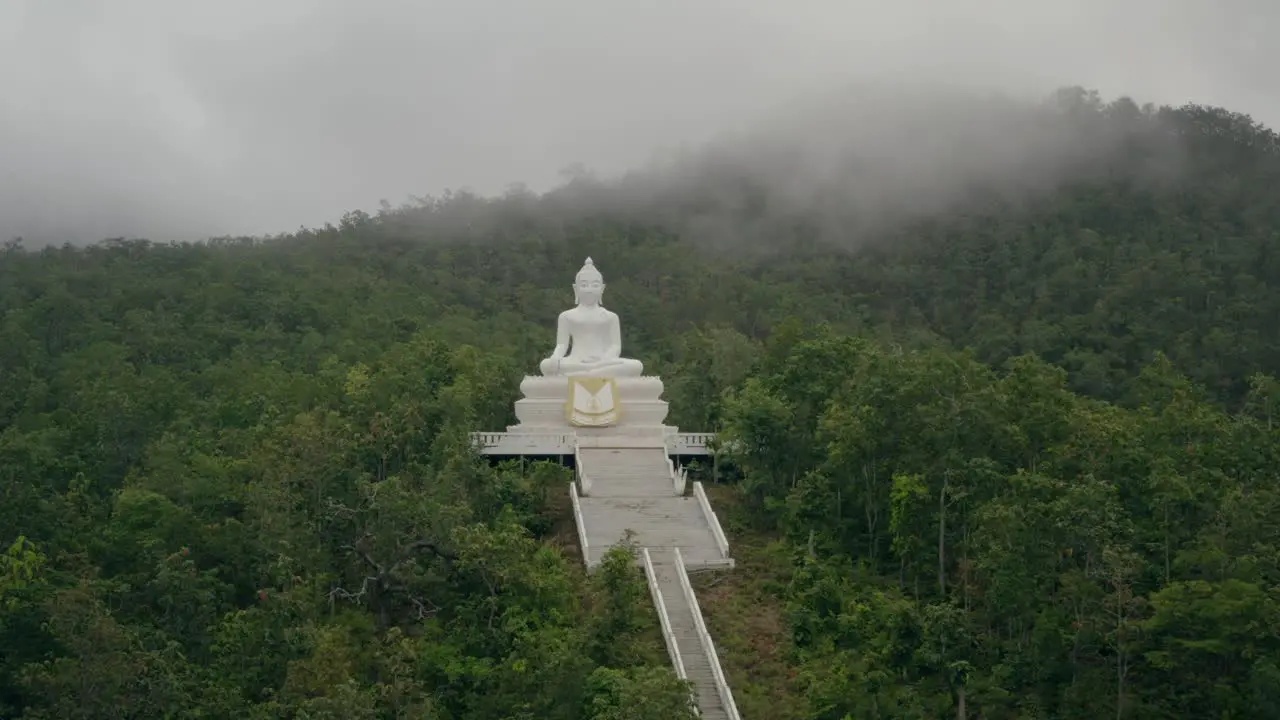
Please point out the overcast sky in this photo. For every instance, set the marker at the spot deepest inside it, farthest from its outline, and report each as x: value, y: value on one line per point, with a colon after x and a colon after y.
x: 181, y: 118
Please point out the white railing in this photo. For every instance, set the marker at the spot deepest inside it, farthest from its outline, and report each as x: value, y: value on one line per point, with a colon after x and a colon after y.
x: 534, y: 443
x: 694, y: 440
x: 505, y: 443
x: 677, y: 478
x: 582, y: 525
x: 688, y: 443
x: 713, y: 658
x: 722, y: 540
x: 673, y: 648
x: 583, y: 478
x: 487, y: 439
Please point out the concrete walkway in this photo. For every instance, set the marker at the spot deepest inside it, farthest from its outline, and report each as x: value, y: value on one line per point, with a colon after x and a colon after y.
x: 632, y: 489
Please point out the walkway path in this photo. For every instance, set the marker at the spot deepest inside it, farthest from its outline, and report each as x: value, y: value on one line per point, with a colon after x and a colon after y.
x: 635, y: 489
x: 632, y: 489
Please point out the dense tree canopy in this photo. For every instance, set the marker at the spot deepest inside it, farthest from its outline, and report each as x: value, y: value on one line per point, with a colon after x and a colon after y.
x: 1020, y: 453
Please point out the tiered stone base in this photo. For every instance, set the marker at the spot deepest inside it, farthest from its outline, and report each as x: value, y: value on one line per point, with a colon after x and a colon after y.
x: 542, y: 410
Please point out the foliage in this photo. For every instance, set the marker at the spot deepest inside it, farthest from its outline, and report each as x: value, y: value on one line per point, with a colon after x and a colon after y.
x: 1018, y: 460
x: 988, y: 542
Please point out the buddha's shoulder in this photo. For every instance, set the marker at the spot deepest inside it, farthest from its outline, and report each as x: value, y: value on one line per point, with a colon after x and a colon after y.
x: 597, y: 314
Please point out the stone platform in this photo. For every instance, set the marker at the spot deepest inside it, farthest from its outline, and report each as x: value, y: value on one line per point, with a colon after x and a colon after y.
x: 506, y: 444
x: 641, y: 409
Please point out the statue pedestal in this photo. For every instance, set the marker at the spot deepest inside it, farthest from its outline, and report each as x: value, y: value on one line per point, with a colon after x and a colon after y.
x: 641, y: 409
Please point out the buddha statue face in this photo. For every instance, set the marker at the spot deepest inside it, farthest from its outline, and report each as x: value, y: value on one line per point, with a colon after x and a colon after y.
x: 588, y: 285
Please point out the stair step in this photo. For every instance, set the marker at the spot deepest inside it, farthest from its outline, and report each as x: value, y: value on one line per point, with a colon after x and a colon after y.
x: 693, y: 654
x: 631, y: 489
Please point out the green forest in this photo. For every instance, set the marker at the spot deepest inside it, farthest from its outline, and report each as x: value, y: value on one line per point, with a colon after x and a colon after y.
x: 1012, y: 458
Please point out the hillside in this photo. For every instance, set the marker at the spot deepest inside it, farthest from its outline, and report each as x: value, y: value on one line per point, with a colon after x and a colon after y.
x: 1007, y: 438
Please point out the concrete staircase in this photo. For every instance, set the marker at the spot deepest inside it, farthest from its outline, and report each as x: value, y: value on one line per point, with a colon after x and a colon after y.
x: 688, y: 633
x: 627, y: 472
x: 632, y: 489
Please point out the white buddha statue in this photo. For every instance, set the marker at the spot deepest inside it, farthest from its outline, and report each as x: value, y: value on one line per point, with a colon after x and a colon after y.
x: 589, y: 337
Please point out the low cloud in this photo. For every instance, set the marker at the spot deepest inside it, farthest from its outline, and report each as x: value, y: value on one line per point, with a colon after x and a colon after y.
x: 150, y: 119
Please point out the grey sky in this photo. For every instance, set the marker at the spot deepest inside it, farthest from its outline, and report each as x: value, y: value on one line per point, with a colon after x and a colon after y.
x: 176, y: 118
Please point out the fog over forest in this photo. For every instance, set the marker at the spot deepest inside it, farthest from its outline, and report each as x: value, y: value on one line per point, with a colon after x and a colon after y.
x: 956, y: 323
x: 234, y: 117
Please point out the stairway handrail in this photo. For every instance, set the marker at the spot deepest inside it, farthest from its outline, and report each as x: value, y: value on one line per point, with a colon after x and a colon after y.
x: 679, y: 481
x: 583, y: 478
x: 668, y: 634
x: 524, y: 440
x: 722, y: 540
x: 713, y: 658
x: 582, y: 525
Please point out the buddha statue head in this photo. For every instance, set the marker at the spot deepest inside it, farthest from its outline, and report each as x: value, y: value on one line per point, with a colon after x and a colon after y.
x: 588, y: 285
